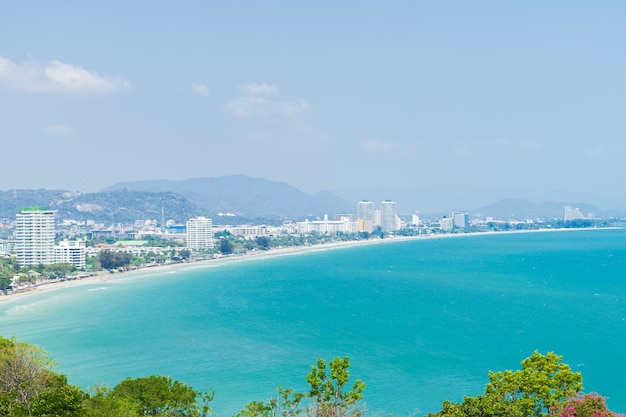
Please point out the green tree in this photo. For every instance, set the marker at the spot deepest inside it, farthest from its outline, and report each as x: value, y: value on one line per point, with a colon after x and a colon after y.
x: 329, y: 391
x: 542, y: 382
x: 288, y: 403
x: 330, y: 395
x: 113, y: 260
x: 226, y: 246
x: 162, y: 396
x: 29, y: 387
x: 263, y: 242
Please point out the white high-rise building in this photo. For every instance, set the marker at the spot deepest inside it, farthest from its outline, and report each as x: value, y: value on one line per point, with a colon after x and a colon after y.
x: 573, y: 213
x: 34, y: 236
x: 365, y: 216
x: 71, y: 252
x: 388, y: 216
x: 460, y: 220
x: 200, y: 233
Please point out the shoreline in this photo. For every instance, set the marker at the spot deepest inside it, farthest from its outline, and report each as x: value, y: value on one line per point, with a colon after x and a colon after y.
x: 104, y: 276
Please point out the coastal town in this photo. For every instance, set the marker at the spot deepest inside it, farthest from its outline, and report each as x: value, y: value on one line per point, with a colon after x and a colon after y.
x: 37, y: 246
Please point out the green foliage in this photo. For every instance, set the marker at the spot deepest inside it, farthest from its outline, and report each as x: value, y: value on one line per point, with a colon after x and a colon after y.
x: 28, y: 387
x: 163, y: 396
x: 58, y: 270
x: 113, y: 260
x: 329, y: 391
x: 226, y: 246
x: 288, y: 403
x: 263, y: 243
x: 542, y: 382
x: 328, y: 394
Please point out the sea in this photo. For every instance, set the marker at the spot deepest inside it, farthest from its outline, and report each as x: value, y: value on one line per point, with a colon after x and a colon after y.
x: 421, y: 320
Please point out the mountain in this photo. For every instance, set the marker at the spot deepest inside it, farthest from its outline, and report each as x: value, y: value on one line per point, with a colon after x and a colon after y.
x: 121, y: 206
x: 246, y: 197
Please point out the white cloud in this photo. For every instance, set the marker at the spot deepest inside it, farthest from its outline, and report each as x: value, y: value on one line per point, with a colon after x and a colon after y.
x: 56, y: 77
x: 57, y: 130
x: 378, y: 146
x: 259, y: 89
x: 200, y: 89
x: 253, y: 104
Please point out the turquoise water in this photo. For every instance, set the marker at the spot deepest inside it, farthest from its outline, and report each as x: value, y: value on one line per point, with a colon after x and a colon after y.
x: 422, y: 321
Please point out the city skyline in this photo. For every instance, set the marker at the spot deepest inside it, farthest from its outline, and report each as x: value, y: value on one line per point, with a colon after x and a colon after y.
x: 350, y: 96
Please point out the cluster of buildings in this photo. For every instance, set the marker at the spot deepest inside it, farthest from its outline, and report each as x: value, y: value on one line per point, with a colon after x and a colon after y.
x: 35, y: 235
x: 35, y: 241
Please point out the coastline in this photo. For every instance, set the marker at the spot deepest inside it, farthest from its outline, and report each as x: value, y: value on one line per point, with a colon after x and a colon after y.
x: 104, y: 276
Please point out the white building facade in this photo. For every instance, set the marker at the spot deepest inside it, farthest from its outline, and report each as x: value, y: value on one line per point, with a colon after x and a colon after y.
x: 365, y: 216
x: 345, y: 225
x: 388, y: 221
x: 200, y: 233
x: 71, y: 252
x: 34, y: 236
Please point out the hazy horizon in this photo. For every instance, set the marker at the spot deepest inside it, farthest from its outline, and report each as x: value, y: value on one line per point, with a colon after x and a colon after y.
x: 324, y: 96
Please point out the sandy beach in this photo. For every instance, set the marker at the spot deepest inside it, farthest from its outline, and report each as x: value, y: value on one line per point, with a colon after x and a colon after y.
x: 104, y: 276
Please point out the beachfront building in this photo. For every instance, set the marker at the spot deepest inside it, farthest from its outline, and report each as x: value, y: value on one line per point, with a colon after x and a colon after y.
x: 327, y: 227
x: 71, y: 252
x: 246, y: 231
x: 460, y: 220
x: 573, y: 213
x: 446, y: 224
x: 389, y: 221
x: 34, y: 236
x: 365, y: 216
x: 6, y: 246
x: 199, y: 233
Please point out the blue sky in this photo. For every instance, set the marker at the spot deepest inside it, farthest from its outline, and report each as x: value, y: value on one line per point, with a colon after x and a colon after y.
x: 321, y: 95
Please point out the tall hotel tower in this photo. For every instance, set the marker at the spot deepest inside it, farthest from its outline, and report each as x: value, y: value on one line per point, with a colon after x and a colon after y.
x: 34, y: 236
x: 388, y: 216
x: 365, y: 216
x: 199, y: 233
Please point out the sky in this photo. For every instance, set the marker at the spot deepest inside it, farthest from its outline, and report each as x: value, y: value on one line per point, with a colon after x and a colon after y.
x: 321, y: 95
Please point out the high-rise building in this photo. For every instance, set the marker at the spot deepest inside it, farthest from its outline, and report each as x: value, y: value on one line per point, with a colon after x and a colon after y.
x: 199, y: 233
x: 71, y: 252
x: 573, y: 213
x: 365, y: 216
x: 34, y: 236
x: 388, y: 216
x: 460, y: 220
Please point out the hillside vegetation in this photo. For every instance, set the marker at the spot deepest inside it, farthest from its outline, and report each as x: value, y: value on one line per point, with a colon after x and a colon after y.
x: 29, y: 386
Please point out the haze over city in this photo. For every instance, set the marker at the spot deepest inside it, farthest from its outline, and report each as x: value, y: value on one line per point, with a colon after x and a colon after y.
x: 323, y: 96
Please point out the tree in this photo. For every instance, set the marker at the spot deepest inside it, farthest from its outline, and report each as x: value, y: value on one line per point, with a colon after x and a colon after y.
x: 226, y: 246
x: 263, y: 242
x: 29, y: 387
x: 184, y: 253
x: 114, y: 260
x: 542, y: 382
x: 286, y: 404
x: 328, y: 391
x: 101, y: 404
x: 587, y: 405
x: 329, y: 395
x: 162, y: 396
